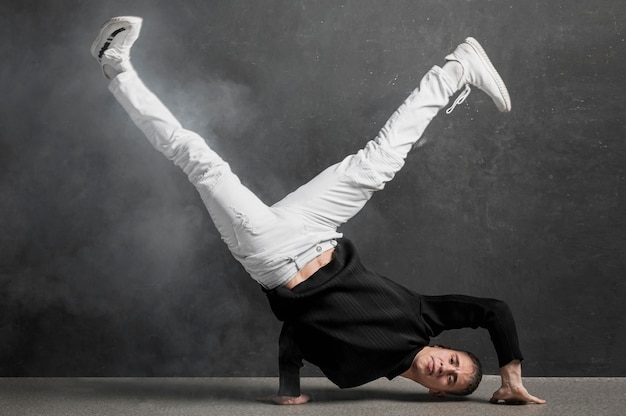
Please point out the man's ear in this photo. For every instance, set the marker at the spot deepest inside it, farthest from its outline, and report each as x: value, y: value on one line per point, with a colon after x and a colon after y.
x: 437, y: 393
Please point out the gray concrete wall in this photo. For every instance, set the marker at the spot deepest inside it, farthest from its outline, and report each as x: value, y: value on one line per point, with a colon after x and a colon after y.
x: 109, y: 265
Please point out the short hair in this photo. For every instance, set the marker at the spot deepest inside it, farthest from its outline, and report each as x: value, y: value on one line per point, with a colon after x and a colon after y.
x: 475, y: 378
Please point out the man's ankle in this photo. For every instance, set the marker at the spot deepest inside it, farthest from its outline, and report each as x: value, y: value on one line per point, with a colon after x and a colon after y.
x: 454, y: 70
x: 109, y: 71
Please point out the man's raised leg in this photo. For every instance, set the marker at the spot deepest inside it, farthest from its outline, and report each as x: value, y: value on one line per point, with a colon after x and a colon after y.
x: 339, y: 192
x: 221, y: 191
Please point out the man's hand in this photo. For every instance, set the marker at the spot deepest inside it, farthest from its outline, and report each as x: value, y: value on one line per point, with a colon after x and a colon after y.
x: 512, y: 390
x: 276, y: 399
x: 517, y: 395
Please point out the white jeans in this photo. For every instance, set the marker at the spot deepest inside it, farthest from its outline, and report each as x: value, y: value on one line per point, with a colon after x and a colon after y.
x: 274, y: 242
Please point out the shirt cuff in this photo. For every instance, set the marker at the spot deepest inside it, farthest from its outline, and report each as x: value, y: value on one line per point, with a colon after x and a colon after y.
x: 289, y: 382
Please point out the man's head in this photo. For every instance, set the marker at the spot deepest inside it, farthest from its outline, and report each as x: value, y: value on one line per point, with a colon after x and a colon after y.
x: 446, y: 371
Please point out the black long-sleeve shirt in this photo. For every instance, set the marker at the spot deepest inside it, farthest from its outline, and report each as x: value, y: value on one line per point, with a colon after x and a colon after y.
x: 358, y: 326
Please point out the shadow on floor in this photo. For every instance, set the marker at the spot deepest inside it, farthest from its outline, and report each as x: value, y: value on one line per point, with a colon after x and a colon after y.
x: 242, y: 390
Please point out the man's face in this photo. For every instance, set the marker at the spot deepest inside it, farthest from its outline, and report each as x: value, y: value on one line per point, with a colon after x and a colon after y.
x: 443, y: 370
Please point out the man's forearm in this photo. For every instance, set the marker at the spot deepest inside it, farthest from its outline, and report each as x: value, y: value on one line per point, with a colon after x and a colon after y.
x: 458, y: 311
x: 289, y: 382
x: 289, y: 363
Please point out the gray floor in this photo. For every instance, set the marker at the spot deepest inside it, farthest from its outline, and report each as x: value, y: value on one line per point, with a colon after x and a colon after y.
x: 236, y: 396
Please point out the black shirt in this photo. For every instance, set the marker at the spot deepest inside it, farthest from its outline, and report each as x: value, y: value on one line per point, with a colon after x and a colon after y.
x: 357, y: 325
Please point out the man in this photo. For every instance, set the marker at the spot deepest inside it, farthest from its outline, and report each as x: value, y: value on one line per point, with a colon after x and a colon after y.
x: 354, y: 324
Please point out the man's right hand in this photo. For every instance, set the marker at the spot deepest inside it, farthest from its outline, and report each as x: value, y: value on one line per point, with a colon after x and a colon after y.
x: 514, y: 395
x: 512, y: 389
x: 288, y: 400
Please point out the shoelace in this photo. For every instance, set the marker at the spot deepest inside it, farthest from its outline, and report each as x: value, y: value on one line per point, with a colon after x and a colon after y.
x: 459, y: 100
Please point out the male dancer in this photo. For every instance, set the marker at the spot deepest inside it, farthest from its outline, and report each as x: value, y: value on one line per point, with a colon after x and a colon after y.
x: 354, y: 324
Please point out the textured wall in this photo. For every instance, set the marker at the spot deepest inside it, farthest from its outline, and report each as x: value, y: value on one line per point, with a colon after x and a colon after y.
x: 109, y: 264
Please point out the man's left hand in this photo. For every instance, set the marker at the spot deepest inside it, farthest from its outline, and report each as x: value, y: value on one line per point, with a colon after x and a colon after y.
x: 285, y: 400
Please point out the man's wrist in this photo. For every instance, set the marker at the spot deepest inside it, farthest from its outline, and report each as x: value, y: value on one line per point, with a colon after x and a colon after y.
x: 289, y: 382
x: 511, y: 373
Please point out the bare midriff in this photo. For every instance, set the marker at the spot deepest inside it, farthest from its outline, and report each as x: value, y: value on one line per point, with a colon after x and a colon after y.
x: 310, y: 268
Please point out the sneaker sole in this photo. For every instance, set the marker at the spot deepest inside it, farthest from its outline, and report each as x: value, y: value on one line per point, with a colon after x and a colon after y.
x: 492, y: 70
x: 104, y: 37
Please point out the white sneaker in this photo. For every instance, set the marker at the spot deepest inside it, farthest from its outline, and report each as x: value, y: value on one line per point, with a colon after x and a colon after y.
x: 480, y: 72
x: 112, y: 45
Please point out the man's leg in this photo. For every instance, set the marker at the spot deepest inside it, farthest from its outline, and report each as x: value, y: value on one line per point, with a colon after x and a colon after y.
x: 271, y: 242
x: 223, y: 194
x: 339, y: 192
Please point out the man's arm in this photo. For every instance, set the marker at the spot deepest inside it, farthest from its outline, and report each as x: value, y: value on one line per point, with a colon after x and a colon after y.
x: 289, y: 364
x: 457, y: 311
